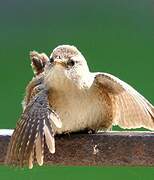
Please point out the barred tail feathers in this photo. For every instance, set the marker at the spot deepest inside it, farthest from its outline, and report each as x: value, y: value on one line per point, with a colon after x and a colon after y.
x: 34, y: 128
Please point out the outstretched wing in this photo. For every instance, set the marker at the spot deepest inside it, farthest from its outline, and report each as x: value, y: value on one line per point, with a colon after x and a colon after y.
x: 32, y: 131
x: 130, y: 109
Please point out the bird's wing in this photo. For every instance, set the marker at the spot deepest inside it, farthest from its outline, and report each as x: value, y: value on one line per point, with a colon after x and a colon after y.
x: 130, y: 108
x: 32, y: 131
x: 38, y: 61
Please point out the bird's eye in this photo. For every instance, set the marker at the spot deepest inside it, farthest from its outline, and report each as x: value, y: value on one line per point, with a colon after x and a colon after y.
x: 70, y: 62
x: 51, y: 59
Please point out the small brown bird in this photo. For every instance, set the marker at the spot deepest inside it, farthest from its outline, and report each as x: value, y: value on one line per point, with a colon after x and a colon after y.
x: 65, y: 96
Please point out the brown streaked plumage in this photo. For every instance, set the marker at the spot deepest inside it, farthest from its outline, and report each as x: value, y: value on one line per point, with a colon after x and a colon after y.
x: 65, y: 97
x: 38, y: 61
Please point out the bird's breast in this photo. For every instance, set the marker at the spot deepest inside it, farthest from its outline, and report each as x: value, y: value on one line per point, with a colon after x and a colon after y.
x: 78, y: 109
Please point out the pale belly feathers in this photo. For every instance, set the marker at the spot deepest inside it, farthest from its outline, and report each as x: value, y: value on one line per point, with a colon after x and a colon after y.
x: 76, y: 113
x: 78, y: 108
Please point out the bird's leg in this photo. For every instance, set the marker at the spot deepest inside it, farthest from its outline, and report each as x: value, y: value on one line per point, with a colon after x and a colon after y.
x: 86, y: 131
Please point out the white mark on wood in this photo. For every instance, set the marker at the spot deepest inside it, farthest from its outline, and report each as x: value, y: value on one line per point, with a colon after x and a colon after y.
x: 95, y: 150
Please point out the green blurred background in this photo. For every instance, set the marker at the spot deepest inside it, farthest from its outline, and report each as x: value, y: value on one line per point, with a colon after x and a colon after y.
x: 115, y: 37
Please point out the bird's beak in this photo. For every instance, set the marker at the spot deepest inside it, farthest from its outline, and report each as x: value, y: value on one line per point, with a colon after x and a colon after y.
x: 59, y: 62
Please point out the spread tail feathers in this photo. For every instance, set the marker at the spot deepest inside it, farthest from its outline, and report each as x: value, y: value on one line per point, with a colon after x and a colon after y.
x: 32, y: 131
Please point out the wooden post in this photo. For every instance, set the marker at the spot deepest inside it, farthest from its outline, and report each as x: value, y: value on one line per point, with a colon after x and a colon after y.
x: 102, y: 149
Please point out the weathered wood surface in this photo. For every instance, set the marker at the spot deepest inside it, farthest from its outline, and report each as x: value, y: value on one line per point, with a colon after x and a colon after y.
x: 102, y: 149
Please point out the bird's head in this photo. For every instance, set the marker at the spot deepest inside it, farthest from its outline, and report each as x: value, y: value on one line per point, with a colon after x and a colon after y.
x: 67, y: 63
